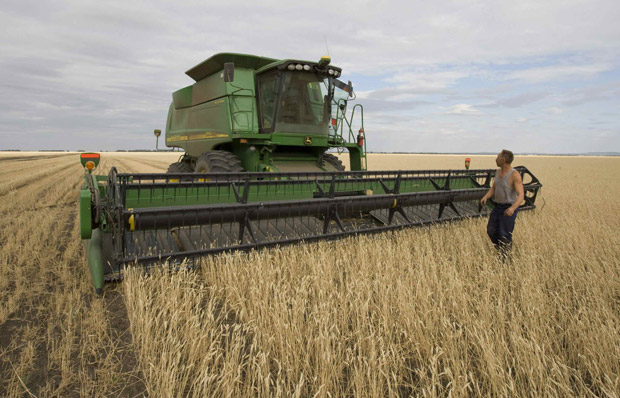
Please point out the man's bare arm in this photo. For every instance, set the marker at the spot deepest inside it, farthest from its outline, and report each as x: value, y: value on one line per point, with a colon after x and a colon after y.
x: 517, y: 184
x: 488, y: 195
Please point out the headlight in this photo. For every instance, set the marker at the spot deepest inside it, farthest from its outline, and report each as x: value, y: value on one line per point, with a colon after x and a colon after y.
x: 306, y: 67
x: 299, y: 67
x: 290, y: 67
x: 331, y: 72
x: 336, y: 73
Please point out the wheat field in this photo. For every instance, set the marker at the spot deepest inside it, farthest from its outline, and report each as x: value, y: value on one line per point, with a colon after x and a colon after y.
x: 423, y: 312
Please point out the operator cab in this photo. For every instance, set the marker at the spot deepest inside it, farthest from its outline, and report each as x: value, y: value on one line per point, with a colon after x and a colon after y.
x: 297, y: 97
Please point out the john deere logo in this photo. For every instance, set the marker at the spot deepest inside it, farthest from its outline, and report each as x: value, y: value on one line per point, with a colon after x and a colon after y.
x: 308, y: 140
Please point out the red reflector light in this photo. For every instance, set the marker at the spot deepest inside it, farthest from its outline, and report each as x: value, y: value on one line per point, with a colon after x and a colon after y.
x: 334, y: 122
x: 90, y: 156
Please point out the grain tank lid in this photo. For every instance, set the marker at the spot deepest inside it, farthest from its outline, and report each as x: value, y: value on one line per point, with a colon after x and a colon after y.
x: 216, y: 63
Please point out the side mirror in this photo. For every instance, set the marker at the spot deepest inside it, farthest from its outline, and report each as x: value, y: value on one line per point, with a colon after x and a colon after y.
x: 347, y: 88
x: 229, y: 72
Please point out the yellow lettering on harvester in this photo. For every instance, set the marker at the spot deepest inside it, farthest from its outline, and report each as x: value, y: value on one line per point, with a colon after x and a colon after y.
x: 201, y: 136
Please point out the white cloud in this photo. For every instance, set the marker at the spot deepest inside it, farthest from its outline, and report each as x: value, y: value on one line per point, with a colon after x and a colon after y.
x: 606, y: 92
x: 428, y: 79
x: 604, y: 134
x: 463, y: 109
x: 555, y: 110
x: 363, y: 94
x: 559, y: 72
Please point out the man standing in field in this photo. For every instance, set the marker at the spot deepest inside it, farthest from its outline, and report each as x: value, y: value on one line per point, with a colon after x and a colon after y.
x: 507, y: 192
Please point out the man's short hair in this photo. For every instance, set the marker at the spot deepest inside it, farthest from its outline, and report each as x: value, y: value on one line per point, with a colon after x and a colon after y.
x: 507, y: 156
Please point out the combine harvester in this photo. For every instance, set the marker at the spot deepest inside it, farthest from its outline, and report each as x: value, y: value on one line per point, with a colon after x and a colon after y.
x: 256, y: 173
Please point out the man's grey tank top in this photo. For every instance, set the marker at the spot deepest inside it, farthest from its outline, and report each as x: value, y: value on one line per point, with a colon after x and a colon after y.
x: 504, y: 193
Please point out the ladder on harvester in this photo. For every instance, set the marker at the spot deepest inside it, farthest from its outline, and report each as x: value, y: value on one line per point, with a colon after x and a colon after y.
x: 342, y: 120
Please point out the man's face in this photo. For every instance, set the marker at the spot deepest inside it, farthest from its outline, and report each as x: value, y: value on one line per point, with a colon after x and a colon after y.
x: 499, y: 160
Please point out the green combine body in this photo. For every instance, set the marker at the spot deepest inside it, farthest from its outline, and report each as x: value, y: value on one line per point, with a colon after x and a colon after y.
x: 264, y: 114
x: 256, y: 173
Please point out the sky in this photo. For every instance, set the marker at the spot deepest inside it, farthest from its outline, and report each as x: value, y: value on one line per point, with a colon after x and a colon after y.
x: 433, y: 76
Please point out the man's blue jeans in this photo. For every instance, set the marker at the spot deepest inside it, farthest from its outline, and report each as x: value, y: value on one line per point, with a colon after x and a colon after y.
x: 500, y: 227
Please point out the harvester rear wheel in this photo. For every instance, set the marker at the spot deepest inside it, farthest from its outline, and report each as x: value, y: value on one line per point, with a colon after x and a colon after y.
x: 218, y: 162
x: 333, y: 161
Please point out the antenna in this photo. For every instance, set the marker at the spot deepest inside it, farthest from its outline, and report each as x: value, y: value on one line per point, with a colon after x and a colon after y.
x: 326, y: 47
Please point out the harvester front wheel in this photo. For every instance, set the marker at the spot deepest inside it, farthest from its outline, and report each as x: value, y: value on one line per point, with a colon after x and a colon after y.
x: 180, y: 167
x: 218, y: 162
x: 333, y: 161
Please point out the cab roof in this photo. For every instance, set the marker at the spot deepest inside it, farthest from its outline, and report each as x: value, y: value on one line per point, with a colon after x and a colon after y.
x: 216, y: 63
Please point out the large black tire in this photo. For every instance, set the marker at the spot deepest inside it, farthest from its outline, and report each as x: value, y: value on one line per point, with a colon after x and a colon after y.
x: 333, y: 161
x: 218, y: 162
x: 180, y: 167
